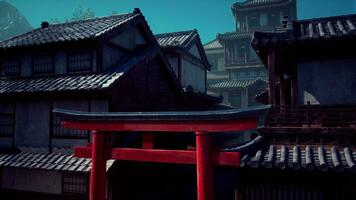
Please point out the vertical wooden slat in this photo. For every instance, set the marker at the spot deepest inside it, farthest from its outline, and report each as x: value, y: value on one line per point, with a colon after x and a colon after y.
x: 271, y: 71
x: 293, y: 88
x: 281, y: 92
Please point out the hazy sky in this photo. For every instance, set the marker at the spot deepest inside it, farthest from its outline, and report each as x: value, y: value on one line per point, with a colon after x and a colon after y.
x: 208, y: 16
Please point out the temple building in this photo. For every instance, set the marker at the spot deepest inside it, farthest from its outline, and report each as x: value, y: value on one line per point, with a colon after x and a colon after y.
x: 307, y: 148
x: 237, y: 73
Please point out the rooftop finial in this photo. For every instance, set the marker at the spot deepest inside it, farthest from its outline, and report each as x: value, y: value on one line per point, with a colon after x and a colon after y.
x: 44, y: 25
x: 137, y: 11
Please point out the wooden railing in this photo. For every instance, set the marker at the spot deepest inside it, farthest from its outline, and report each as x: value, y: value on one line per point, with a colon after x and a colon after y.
x: 312, y: 116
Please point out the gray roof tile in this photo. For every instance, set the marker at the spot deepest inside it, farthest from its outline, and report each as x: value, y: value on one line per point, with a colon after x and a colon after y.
x: 215, y: 44
x: 175, y: 39
x: 46, y: 161
x: 319, y: 29
x: 262, y: 154
x: 234, y: 83
x: 250, y: 4
x: 58, y: 83
x: 69, y: 31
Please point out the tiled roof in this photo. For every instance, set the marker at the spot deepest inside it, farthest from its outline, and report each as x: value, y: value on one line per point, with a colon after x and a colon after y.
x: 251, y: 4
x: 71, y: 82
x: 69, y: 31
x: 182, y: 41
x: 326, y: 27
x: 259, y: 154
x: 58, y: 83
x: 229, y: 84
x: 215, y: 44
x: 46, y: 161
x: 321, y: 29
x: 175, y: 39
x: 234, y: 35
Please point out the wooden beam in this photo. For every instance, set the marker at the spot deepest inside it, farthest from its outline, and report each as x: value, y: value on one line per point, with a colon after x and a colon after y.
x: 230, y: 159
x: 166, y: 126
x: 281, y: 90
x: 271, y: 74
x: 293, y: 90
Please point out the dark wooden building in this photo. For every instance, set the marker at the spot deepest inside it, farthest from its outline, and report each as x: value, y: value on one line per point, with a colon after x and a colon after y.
x: 307, y: 148
x: 240, y: 60
x: 102, y: 64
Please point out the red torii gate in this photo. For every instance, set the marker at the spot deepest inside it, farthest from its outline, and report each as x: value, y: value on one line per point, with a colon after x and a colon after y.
x: 200, y: 122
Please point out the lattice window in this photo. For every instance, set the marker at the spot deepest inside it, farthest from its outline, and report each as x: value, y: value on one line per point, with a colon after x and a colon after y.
x: 61, y: 132
x: 80, y: 61
x: 43, y: 64
x: 10, y: 67
x: 75, y: 183
x: 6, y: 125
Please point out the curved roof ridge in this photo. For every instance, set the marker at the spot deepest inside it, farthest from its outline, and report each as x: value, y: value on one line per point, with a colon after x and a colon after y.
x: 68, y: 31
x: 176, y: 33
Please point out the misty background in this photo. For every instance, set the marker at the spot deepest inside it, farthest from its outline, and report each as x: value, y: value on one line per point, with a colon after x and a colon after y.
x: 208, y: 16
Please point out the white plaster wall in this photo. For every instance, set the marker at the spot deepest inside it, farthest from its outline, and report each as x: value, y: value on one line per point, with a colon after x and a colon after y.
x: 79, y: 105
x: 60, y: 63
x: 32, y: 124
x: 173, y: 61
x: 110, y: 57
x: 327, y: 82
x: 32, y: 180
x: 26, y: 65
x: 193, y: 75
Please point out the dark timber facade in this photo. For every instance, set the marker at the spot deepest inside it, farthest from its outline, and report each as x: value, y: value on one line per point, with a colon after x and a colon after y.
x: 307, y: 148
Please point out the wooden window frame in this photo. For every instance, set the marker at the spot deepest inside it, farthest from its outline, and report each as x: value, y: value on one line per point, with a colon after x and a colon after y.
x: 71, y: 183
x: 10, y: 125
x: 72, y: 53
x: 51, y: 56
x: 16, y: 58
x: 59, y: 132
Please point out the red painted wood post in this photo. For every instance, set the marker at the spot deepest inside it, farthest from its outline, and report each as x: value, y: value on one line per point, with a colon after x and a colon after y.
x: 205, y: 179
x: 98, y: 168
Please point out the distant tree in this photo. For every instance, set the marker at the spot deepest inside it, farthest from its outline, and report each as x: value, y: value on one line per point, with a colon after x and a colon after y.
x: 80, y: 13
x: 55, y: 20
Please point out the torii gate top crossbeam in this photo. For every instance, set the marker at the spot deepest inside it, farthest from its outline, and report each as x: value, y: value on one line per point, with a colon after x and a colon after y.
x: 183, y: 121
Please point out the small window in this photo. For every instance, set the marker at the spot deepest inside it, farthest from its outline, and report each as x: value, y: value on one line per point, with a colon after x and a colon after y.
x: 6, y: 125
x: 75, y: 183
x: 61, y: 132
x: 43, y: 64
x: 80, y: 61
x: 253, y: 74
x: 214, y: 61
x: 235, y: 99
x: 263, y: 19
x: 252, y: 56
x: 254, y: 21
x: 241, y: 53
x: 274, y: 19
x: 10, y: 67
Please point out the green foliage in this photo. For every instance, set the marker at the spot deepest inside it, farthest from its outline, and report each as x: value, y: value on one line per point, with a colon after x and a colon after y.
x: 80, y: 14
